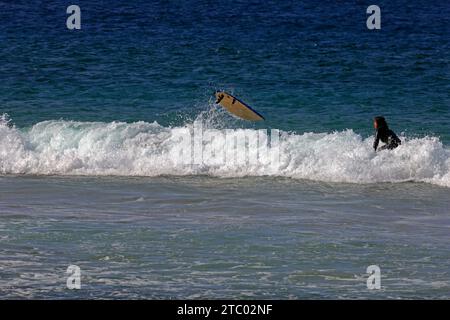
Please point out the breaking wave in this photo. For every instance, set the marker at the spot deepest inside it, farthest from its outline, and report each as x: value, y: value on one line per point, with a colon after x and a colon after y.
x: 59, y: 147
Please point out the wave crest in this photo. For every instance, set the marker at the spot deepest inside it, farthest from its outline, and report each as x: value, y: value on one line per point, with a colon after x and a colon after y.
x: 149, y: 149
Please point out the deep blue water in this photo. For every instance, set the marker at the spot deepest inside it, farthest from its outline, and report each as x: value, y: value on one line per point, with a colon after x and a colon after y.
x: 104, y: 103
x: 306, y: 66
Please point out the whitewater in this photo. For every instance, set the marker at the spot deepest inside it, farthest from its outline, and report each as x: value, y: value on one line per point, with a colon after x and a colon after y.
x: 59, y: 147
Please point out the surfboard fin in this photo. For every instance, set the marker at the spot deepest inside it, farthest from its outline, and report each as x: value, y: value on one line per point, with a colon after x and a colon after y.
x: 220, y: 98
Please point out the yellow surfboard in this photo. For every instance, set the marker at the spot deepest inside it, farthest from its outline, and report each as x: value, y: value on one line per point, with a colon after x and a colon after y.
x: 237, y: 107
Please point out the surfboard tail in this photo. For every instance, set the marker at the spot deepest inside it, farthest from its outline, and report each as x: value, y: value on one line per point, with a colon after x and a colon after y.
x: 237, y: 107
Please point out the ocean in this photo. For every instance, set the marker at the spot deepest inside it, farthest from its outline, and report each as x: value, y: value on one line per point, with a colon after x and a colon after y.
x: 92, y: 122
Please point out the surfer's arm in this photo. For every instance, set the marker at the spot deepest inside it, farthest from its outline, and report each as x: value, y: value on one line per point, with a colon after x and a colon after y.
x: 376, y: 142
x: 397, y: 139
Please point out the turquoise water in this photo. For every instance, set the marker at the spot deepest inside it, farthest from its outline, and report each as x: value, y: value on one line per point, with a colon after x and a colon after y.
x: 88, y: 163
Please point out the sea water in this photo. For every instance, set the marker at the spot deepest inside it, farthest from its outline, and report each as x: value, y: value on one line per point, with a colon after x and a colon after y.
x: 89, y: 174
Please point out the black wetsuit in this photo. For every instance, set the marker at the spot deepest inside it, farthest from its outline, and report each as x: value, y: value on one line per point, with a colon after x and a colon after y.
x: 387, y: 136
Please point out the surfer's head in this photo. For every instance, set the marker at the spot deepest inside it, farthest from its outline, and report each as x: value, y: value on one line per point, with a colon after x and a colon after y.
x: 379, y: 122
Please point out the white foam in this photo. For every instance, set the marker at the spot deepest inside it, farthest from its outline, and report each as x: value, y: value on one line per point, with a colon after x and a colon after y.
x: 148, y: 149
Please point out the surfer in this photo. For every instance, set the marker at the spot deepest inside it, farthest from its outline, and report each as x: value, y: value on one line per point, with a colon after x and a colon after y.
x: 384, y: 134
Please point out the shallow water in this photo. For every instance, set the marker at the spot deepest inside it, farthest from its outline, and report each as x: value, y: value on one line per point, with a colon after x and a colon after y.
x: 200, y: 237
